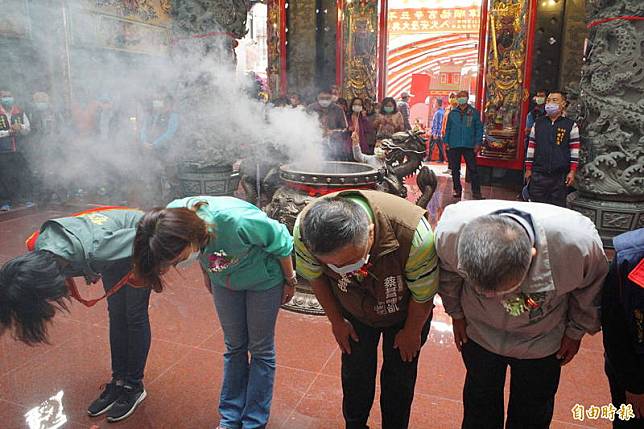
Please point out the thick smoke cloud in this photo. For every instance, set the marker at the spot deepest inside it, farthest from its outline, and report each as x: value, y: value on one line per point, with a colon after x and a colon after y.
x: 216, y: 110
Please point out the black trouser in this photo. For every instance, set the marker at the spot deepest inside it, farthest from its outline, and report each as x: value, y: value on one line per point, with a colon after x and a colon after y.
x: 618, y: 397
x: 130, y: 333
x: 548, y: 188
x: 438, y: 142
x: 397, y: 378
x: 16, y: 179
x: 455, y: 154
x: 533, y: 385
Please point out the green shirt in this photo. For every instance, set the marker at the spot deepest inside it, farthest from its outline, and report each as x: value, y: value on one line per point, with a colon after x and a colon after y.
x: 247, y: 245
x: 421, y: 269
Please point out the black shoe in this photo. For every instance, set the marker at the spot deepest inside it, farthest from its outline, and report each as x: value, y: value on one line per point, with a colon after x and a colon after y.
x: 126, y: 404
x: 107, y: 399
x: 477, y: 197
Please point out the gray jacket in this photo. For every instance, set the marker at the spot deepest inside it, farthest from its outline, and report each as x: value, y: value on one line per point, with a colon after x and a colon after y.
x: 566, y: 274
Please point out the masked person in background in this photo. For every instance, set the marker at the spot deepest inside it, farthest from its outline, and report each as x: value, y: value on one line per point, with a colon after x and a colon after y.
x: 370, y: 259
x: 553, y: 153
x: 46, y: 153
x: 371, y: 115
x: 376, y: 160
x: 538, y: 110
x: 359, y: 124
x: 404, y: 109
x: 246, y: 262
x: 160, y: 126
x: 333, y: 122
x: 389, y: 121
x: 15, y: 178
x: 436, y: 133
x: 463, y: 138
x: 452, y: 103
x: 157, y: 135
x: 97, y: 245
x: 522, y: 283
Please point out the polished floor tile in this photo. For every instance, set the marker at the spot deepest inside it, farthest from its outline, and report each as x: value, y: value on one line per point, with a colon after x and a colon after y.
x: 184, y: 370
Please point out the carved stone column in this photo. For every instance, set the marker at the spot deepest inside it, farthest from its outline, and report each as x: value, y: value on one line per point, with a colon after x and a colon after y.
x: 611, y: 180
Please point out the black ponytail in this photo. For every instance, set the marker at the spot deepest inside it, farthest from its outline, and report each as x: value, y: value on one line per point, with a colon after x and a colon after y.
x: 32, y: 290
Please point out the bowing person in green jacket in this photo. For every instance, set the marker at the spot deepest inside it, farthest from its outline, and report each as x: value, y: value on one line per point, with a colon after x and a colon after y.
x: 95, y: 244
x: 246, y: 260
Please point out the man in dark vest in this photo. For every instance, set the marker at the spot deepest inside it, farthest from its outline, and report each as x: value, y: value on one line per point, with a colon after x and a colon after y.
x: 623, y: 329
x: 370, y: 259
x: 553, y: 153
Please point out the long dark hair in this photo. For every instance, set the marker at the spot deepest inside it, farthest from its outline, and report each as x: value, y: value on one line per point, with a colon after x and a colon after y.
x: 32, y: 290
x: 385, y: 101
x: 161, y: 236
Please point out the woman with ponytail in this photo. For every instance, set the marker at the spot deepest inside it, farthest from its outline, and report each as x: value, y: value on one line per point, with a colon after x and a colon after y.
x: 96, y: 244
x: 246, y: 261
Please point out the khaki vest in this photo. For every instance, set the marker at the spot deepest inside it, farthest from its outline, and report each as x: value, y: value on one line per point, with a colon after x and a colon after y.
x: 382, y: 298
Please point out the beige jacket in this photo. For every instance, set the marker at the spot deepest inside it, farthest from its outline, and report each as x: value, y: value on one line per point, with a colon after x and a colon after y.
x: 566, y: 274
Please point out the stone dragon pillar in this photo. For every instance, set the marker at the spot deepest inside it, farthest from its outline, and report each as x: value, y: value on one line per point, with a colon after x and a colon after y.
x: 610, y: 182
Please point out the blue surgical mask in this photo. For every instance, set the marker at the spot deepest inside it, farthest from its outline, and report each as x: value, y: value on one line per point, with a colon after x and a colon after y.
x: 552, y: 108
x: 388, y: 109
x: 186, y: 263
x: 7, y: 101
x: 461, y: 100
x: 346, y: 269
x: 41, y: 106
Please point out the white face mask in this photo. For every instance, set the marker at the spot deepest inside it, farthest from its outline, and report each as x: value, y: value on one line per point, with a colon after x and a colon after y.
x: 325, y: 102
x: 186, y: 263
x: 379, y: 153
x: 350, y: 268
x: 357, y: 108
x: 157, y: 104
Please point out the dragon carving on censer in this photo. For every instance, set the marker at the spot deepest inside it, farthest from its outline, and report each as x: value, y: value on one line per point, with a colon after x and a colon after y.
x: 405, y: 152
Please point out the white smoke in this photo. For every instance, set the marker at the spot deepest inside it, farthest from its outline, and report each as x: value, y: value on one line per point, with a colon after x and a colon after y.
x: 226, y: 116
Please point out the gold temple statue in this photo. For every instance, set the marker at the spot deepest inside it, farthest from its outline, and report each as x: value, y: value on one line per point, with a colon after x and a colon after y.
x: 504, y: 78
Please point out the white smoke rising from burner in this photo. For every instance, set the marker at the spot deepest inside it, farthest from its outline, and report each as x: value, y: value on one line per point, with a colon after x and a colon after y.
x: 223, y: 117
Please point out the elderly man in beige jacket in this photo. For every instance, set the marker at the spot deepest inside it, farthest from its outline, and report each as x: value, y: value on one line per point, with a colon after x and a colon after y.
x: 522, y: 284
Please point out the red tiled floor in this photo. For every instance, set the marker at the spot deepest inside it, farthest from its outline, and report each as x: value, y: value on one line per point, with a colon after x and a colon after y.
x: 183, y: 375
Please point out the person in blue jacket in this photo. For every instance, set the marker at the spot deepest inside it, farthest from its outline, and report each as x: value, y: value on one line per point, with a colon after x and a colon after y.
x: 246, y: 260
x: 463, y: 137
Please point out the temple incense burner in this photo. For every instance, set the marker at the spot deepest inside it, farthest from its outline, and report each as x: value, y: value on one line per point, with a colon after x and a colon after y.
x: 301, y: 183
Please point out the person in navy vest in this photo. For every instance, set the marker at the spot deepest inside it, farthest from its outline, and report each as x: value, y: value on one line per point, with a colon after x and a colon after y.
x: 623, y: 328
x: 14, y: 123
x: 553, y: 153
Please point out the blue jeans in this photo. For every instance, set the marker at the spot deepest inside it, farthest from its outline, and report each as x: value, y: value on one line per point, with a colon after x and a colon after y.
x: 248, y: 321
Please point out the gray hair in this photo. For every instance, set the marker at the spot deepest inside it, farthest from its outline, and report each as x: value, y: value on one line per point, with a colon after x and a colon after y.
x: 494, y: 250
x: 332, y: 223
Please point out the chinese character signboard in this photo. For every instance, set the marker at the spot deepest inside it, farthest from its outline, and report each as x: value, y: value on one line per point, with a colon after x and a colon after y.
x: 455, y: 20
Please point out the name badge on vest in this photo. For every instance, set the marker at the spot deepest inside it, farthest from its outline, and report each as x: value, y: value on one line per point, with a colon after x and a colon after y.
x: 393, y: 295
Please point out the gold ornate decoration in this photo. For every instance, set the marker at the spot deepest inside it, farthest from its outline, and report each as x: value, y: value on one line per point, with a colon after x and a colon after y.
x: 361, y: 37
x: 504, y: 91
x: 274, y: 45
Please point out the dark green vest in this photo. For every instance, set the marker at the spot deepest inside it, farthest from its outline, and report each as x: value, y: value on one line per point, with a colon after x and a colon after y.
x: 92, y: 241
